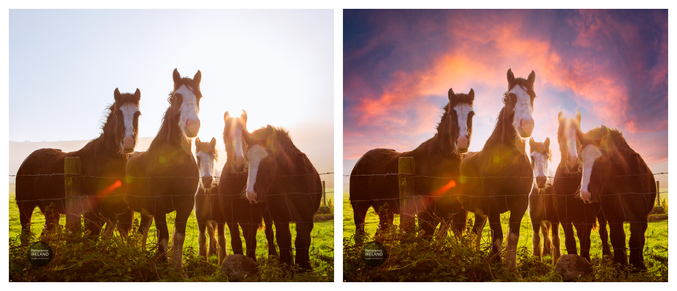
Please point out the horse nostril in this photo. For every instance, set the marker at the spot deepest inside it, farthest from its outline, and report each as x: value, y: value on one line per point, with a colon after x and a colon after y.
x: 207, y: 181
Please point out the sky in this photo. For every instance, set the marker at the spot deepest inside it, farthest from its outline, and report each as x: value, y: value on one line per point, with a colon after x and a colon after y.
x: 398, y: 65
x: 278, y: 65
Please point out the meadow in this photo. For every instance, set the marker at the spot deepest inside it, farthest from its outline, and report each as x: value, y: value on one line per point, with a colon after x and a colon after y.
x: 412, y: 258
x: 116, y: 259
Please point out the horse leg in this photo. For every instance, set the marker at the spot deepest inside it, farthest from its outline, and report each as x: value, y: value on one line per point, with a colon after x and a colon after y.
x: 556, y: 253
x: 459, y: 219
x: 93, y: 223
x: 496, y: 235
x: 617, y: 235
x: 428, y: 223
x: 302, y: 244
x: 235, y: 239
x: 637, y: 240
x: 144, y: 227
x: 25, y: 215
x: 270, y: 235
x: 569, y: 240
x: 202, y: 238
x: 359, y: 213
x: 478, y: 226
x: 547, y: 242
x: 583, y: 232
x: 249, y: 232
x: 536, y: 239
x: 179, y: 235
x: 213, y: 243
x: 162, y: 236
x: 283, y: 237
x: 125, y: 222
x: 603, y: 234
x: 223, y: 252
x: 516, y: 216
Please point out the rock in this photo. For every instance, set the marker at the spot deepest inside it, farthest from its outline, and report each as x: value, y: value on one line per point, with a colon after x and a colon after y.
x: 238, y: 267
x: 572, y: 267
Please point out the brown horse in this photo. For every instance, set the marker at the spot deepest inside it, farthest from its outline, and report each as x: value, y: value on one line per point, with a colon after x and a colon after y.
x: 373, y: 181
x: 235, y: 207
x: 499, y: 177
x: 102, y: 166
x: 618, y: 178
x: 541, y: 205
x: 165, y: 178
x: 283, y: 177
x: 571, y: 210
x: 207, y: 211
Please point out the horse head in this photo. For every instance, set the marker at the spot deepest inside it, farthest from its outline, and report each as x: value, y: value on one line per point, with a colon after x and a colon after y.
x: 520, y: 97
x: 185, y: 103
x: 540, y: 158
x: 569, y: 145
x: 207, y: 157
x: 458, y: 120
x: 594, y: 156
x: 126, y: 113
x: 233, y: 131
x: 261, y: 160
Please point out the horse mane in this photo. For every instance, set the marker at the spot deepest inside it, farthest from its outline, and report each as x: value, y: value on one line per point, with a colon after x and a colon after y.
x: 281, y: 138
x: 499, y: 133
x: 107, y: 125
x: 622, y: 149
x: 206, y: 145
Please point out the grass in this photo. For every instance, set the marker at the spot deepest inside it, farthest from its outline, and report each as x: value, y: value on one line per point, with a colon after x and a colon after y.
x: 408, y: 264
x: 321, y: 251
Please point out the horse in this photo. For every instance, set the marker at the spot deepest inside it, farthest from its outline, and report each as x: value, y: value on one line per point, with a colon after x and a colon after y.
x: 618, y: 178
x: 283, y: 177
x: 373, y: 180
x: 235, y: 207
x: 541, y: 205
x: 207, y: 211
x: 499, y: 177
x: 102, y: 165
x: 165, y: 177
x: 571, y: 210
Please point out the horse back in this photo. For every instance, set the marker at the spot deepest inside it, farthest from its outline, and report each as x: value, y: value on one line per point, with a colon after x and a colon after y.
x: 374, y: 175
x: 33, y: 180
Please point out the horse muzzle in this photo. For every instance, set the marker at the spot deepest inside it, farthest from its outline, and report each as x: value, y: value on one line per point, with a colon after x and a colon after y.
x: 526, y: 127
x: 192, y: 127
x: 540, y: 182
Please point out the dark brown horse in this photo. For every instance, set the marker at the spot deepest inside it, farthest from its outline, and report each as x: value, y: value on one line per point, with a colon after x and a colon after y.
x: 571, y: 210
x: 541, y: 205
x: 236, y: 209
x: 102, y: 165
x: 618, y: 178
x: 499, y: 177
x: 373, y: 181
x: 283, y: 177
x: 165, y: 178
x: 208, y: 213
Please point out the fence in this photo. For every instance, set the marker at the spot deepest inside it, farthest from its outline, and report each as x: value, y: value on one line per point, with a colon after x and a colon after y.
x: 76, y: 204
x: 411, y: 204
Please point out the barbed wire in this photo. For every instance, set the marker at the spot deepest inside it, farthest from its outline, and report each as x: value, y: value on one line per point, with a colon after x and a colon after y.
x: 489, y: 177
x: 151, y: 177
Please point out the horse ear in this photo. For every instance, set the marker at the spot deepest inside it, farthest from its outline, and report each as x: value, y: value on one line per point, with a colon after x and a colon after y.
x: 137, y: 95
x: 197, y: 77
x: 451, y: 94
x: 471, y: 94
x: 244, y: 115
x: 560, y: 116
x: 197, y: 141
x: 176, y: 76
x: 532, y: 78
x: 578, y: 116
x: 511, y: 78
x: 212, y: 143
x: 116, y: 94
x: 604, y: 130
x: 531, y: 142
x: 226, y: 116
x: 547, y: 143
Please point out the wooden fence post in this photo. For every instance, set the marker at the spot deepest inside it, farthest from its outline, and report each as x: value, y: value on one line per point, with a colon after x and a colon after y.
x: 407, y: 186
x: 72, y: 179
x: 324, y: 194
x: 658, y: 193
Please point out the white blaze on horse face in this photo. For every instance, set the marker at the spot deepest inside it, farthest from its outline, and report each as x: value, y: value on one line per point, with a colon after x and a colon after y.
x: 207, y: 169
x: 255, y: 154
x: 589, y: 154
x: 236, y: 134
x: 540, y: 164
x: 570, y: 136
x: 522, y: 122
x: 128, y: 112
x: 462, y: 112
x: 189, y: 121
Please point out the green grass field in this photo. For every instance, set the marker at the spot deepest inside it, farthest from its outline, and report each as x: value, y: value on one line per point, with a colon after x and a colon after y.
x: 656, y: 235
x: 321, y: 251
